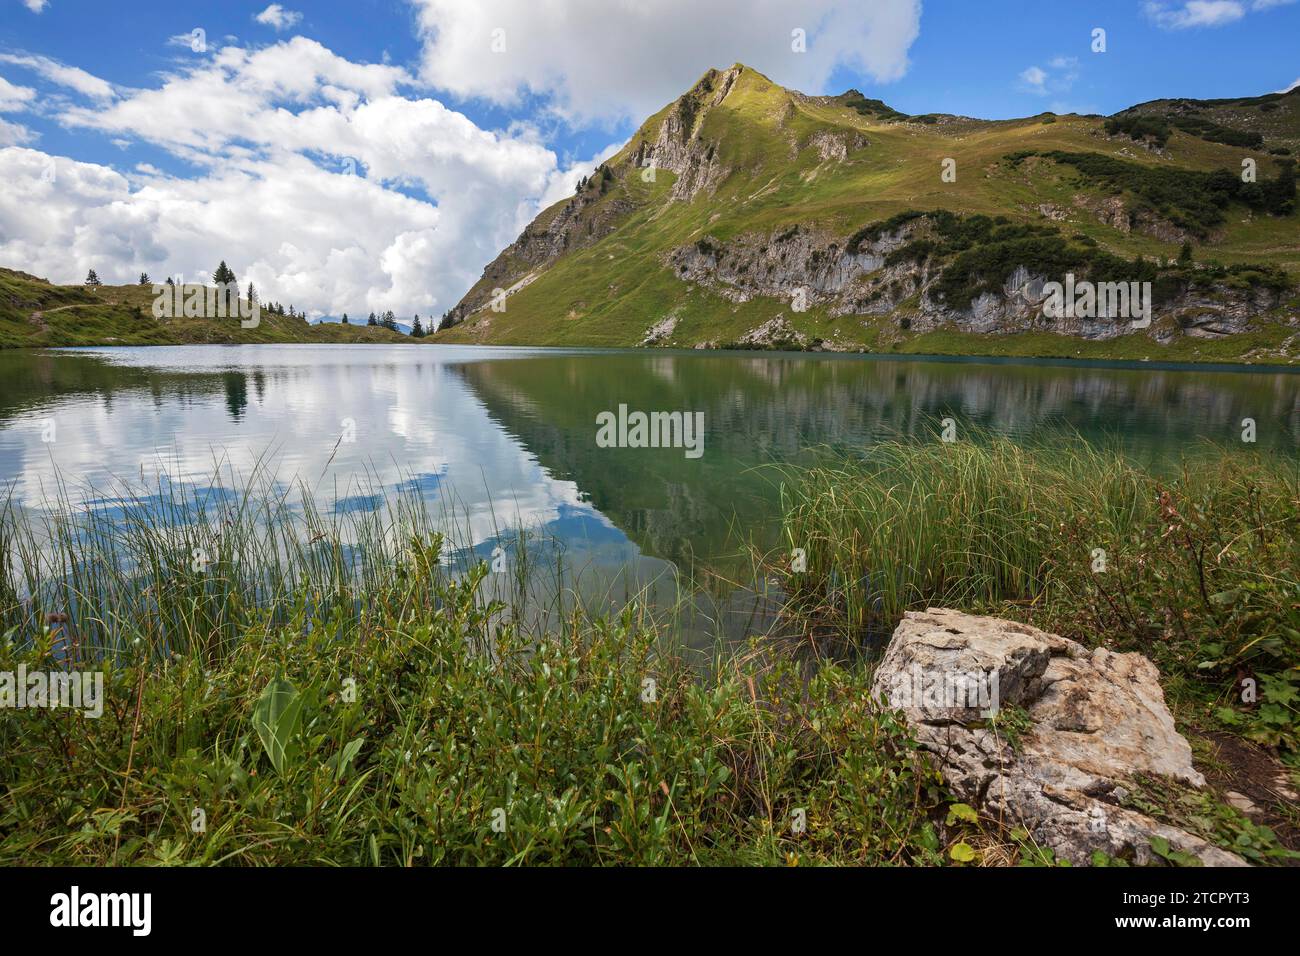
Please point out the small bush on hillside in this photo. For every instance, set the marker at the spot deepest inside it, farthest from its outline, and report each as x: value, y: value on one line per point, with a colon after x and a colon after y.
x: 1139, y: 127
x: 1191, y: 199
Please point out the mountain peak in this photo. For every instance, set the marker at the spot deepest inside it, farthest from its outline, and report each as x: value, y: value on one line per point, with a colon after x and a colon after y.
x: 740, y: 193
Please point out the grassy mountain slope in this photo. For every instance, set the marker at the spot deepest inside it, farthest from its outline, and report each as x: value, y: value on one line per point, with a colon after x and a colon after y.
x: 757, y: 190
x: 36, y: 313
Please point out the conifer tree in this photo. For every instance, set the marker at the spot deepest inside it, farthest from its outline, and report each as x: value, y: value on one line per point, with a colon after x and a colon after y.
x: 224, y: 278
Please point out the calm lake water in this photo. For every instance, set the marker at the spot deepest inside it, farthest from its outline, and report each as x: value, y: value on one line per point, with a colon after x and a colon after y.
x: 507, y: 438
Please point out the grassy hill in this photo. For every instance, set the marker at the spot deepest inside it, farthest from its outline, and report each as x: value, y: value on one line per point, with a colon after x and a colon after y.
x: 757, y: 190
x: 36, y: 313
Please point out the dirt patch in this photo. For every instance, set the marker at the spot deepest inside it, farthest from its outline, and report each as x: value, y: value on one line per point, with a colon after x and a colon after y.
x: 38, y: 318
x: 1239, y: 766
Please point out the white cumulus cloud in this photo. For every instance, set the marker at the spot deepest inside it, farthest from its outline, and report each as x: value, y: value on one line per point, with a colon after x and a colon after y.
x: 600, y: 61
x: 278, y: 17
x: 319, y: 179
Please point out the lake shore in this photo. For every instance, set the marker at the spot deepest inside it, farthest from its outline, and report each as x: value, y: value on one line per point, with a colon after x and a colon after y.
x: 37, y: 314
x: 292, y: 710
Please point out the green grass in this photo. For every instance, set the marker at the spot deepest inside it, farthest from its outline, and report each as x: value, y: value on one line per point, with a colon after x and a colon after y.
x: 320, y: 688
x: 35, y: 313
x: 1200, y: 566
x: 324, y: 693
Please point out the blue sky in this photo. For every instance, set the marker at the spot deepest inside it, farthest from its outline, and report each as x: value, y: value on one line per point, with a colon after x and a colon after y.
x: 162, y: 156
x: 973, y: 64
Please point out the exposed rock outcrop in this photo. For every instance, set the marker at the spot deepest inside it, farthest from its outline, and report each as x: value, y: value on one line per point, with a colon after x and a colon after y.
x: 1098, y: 719
x: 863, y: 278
x: 679, y: 147
x: 836, y: 146
x: 1116, y: 212
x: 661, y: 331
x: 774, y: 333
x: 780, y: 264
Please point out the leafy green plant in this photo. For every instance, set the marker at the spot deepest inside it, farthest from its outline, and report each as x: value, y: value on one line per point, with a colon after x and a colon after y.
x: 1101, y: 858
x: 1203, y: 813
x: 962, y: 813
x: 277, y: 718
x: 1160, y: 846
x: 963, y: 853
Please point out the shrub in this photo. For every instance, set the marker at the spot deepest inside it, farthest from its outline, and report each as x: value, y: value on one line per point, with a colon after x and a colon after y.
x: 1139, y: 127
x: 1191, y: 199
x: 874, y: 231
x: 1213, y: 132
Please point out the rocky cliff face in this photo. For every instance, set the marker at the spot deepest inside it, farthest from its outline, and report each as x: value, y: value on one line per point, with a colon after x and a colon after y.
x: 808, y: 267
x: 679, y: 147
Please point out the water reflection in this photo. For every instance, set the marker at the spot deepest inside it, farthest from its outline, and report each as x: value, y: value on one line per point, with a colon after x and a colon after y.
x: 506, y: 438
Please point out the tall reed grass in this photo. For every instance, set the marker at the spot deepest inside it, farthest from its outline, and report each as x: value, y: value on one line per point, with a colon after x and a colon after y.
x: 962, y: 524
x: 177, y: 569
x: 1197, y: 566
x: 325, y: 691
